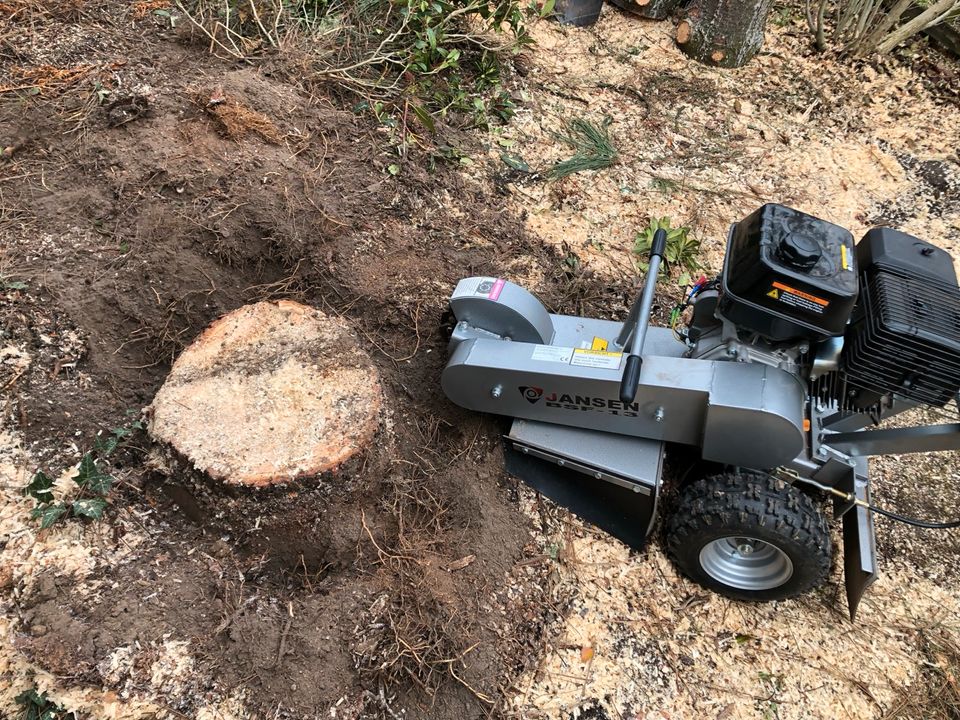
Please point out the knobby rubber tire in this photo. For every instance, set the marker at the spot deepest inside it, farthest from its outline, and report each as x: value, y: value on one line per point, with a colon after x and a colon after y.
x: 750, y: 505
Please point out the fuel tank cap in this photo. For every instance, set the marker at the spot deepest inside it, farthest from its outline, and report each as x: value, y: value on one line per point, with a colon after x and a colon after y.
x: 799, y: 251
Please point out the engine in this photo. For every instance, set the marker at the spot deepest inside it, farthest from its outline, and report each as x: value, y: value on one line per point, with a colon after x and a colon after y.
x: 859, y: 323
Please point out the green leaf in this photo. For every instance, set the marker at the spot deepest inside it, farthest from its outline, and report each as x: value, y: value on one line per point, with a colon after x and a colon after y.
x: 106, y: 444
x: 48, y: 514
x: 425, y: 118
x: 393, y: 169
x: 515, y: 162
x: 547, y: 8
x: 31, y: 697
x: 39, y: 487
x: 14, y: 285
x: 90, y: 477
x: 89, y: 507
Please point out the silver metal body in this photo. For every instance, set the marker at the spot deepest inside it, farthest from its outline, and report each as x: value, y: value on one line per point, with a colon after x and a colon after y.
x: 738, y: 413
x: 741, y: 402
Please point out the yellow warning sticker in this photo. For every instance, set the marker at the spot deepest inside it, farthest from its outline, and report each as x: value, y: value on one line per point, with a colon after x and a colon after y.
x: 596, y: 359
x: 598, y: 344
x: 775, y: 294
x: 843, y: 258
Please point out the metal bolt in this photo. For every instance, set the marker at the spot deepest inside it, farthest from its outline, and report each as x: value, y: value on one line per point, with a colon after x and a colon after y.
x: 598, y: 476
x: 496, y: 392
x: 658, y: 415
x: 561, y: 463
x: 744, y: 548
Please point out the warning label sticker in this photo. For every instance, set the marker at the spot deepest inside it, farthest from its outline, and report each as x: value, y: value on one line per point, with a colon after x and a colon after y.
x: 596, y: 359
x: 487, y: 287
x: 550, y: 353
x: 798, y: 298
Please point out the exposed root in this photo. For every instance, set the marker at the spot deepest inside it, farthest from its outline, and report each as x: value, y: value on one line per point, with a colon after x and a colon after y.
x: 235, y: 120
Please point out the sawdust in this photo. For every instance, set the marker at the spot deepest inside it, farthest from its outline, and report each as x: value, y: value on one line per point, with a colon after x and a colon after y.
x: 663, y: 647
x: 705, y: 147
x: 76, y: 553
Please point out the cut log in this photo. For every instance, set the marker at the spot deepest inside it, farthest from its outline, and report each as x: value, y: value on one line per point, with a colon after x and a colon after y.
x: 653, y: 9
x: 269, y: 393
x: 726, y: 33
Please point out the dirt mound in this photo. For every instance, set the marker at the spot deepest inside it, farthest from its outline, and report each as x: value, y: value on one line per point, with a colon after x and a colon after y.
x: 268, y: 393
x: 132, y: 219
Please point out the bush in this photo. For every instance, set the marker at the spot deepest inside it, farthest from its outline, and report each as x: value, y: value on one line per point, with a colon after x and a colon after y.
x: 445, y: 53
x: 864, y: 27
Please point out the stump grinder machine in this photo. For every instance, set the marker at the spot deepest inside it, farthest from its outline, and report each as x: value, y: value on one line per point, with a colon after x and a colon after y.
x: 774, y: 387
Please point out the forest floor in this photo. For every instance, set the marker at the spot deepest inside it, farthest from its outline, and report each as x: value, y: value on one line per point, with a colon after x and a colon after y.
x: 420, y: 581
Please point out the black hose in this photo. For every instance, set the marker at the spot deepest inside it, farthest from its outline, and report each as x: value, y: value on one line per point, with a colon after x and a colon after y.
x: 949, y: 525
x: 914, y: 521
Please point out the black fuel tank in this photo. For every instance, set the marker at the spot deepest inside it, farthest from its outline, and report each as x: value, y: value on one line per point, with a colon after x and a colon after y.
x: 789, y: 275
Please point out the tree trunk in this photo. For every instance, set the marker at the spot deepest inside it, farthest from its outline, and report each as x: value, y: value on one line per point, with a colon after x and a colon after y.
x: 653, y: 9
x: 726, y: 33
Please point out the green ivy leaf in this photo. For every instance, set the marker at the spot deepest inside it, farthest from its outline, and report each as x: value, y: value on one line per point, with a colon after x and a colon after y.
x: 90, y: 477
x: 39, y: 487
x: 89, y: 507
x: 106, y: 445
x: 48, y: 514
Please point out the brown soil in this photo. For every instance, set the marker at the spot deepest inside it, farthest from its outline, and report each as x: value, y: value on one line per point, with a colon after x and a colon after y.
x: 137, y: 218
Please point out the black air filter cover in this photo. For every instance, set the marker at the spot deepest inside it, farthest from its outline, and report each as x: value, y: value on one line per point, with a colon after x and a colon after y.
x: 789, y: 275
x: 905, y: 333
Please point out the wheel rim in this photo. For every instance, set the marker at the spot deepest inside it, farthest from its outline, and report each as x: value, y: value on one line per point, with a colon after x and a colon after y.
x: 746, y: 563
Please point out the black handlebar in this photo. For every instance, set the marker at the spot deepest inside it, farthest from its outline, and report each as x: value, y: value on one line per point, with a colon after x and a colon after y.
x: 631, y: 379
x: 659, y: 244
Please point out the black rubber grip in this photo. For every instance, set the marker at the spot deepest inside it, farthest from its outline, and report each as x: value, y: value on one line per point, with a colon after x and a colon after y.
x: 659, y: 244
x: 631, y: 378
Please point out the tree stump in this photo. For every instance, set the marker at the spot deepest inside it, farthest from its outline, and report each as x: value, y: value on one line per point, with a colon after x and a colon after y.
x: 725, y: 33
x: 653, y: 9
x: 267, y: 394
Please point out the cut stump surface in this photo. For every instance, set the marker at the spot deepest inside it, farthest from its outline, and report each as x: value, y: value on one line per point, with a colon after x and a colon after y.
x: 268, y: 393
